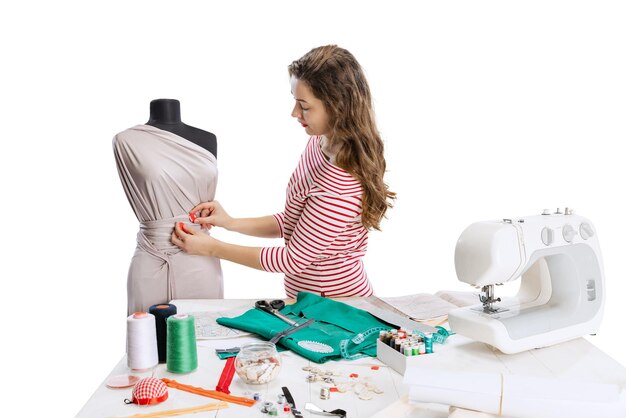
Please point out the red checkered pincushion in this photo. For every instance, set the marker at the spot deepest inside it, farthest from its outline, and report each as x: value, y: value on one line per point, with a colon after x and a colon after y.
x: 149, y: 391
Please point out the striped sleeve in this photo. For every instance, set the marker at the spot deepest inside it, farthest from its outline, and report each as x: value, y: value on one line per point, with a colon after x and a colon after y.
x: 280, y: 220
x: 323, y: 219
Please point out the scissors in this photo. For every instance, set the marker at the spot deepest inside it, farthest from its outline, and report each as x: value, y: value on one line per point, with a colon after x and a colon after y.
x: 273, y: 307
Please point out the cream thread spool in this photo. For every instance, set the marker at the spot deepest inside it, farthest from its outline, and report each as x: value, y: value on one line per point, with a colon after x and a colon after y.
x: 141, y: 342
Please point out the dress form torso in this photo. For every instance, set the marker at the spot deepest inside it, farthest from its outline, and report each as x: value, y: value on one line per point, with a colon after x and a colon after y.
x: 165, y: 174
x: 165, y: 114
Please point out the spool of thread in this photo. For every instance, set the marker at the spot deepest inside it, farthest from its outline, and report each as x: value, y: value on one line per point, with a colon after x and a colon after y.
x: 141, y: 342
x: 161, y: 313
x: 428, y: 341
x: 182, y: 355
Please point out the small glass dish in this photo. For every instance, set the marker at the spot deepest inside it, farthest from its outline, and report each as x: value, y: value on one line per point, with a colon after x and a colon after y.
x: 258, y: 363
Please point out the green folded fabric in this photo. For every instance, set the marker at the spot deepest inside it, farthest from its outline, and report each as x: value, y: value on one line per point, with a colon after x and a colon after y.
x: 339, y: 330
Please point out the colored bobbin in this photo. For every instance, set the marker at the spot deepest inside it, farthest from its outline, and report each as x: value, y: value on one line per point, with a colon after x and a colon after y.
x: 324, y: 393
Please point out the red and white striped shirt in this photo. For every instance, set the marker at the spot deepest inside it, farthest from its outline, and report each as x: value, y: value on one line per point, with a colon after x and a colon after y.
x: 324, y: 238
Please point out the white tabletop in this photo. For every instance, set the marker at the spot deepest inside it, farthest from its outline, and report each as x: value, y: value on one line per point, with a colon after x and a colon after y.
x: 577, y: 358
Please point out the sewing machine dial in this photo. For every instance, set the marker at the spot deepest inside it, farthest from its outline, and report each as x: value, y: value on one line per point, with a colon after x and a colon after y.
x: 586, y: 231
x: 547, y: 236
x: 569, y: 233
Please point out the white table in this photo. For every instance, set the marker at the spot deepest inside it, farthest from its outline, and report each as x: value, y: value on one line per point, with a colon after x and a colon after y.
x: 577, y: 358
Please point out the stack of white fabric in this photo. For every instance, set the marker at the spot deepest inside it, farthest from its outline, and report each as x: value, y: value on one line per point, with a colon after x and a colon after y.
x: 477, y: 395
x: 468, y: 413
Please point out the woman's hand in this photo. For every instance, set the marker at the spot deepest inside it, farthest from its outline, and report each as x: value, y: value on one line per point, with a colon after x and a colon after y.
x: 209, y: 214
x: 193, y: 242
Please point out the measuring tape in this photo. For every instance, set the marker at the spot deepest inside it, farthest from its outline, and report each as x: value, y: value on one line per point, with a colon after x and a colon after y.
x: 439, y: 337
x: 346, y: 345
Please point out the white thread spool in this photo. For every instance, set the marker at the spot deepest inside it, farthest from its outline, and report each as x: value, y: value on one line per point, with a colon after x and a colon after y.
x: 141, y: 342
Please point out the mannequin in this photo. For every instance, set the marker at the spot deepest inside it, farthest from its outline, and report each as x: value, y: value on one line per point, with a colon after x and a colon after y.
x: 165, y: 114
x: 166, y: 168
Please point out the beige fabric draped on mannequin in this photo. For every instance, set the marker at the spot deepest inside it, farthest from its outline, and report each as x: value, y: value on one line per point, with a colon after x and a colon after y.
x: 164, y: 177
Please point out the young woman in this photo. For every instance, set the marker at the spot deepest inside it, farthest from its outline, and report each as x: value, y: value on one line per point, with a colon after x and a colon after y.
x: 335, y: 195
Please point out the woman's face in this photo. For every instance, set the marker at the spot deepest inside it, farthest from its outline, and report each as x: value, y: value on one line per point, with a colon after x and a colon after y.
x: 309, y: 110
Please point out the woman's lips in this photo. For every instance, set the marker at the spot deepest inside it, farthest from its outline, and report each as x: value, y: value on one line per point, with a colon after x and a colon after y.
x: 304, y: 125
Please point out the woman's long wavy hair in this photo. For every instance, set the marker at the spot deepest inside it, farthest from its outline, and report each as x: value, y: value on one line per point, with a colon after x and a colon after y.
x: 336, y: 78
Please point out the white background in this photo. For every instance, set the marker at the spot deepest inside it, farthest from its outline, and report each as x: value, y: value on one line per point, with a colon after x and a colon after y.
x: 488, y: 109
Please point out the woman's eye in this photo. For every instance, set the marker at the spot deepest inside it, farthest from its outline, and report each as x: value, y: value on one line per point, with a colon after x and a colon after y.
x: 304, y: 108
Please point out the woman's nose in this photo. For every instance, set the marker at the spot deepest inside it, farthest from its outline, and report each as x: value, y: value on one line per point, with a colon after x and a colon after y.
x: 296, y: 113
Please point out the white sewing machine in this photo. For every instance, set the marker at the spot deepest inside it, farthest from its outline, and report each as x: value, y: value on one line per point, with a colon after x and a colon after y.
x: 561, y: 295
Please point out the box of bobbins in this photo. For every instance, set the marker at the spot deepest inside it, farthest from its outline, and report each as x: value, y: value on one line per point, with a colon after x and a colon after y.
x: 400, y: 349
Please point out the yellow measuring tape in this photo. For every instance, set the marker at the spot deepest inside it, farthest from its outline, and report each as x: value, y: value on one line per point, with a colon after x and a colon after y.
x: 182, y: 411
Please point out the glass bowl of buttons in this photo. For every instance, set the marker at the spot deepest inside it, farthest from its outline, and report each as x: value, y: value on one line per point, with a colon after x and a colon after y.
x: 258, y: 363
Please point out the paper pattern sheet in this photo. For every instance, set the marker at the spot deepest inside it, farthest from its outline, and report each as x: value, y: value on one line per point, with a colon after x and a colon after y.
x: 425, y: 306
x: 459, y: 298
x: 207, y: 327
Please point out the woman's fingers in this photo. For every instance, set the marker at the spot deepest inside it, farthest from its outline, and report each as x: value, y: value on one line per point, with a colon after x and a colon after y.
x: 180, y: 234
x: 204, y: 205
x: 177, y: 241
x: 183, y: 228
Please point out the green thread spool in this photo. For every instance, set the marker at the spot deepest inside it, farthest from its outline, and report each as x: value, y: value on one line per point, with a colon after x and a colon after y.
x: 182, y: 355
